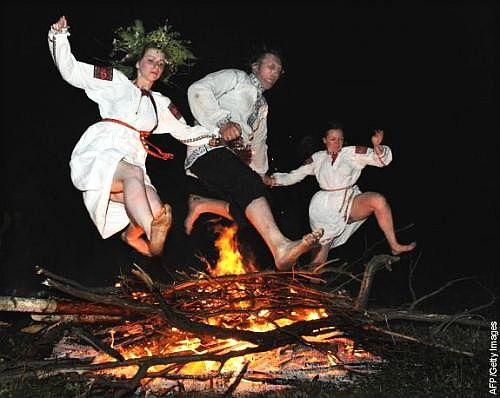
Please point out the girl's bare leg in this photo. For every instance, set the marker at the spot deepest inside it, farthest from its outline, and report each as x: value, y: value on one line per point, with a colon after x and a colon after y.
x: 372, y: 202
x: 159, y: 230
x: 144, y: 208
x: 133, y: 236
x: 320, y: 254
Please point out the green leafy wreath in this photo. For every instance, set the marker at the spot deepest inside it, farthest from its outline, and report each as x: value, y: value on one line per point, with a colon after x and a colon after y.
x: 131, y: 41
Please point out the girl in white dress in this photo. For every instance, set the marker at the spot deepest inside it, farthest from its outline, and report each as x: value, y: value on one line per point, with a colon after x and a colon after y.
x: 339, y: 207
x: 108, y: 162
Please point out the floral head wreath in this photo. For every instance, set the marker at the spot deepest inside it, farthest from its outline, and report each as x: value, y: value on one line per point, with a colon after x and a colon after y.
x: 130, y: 42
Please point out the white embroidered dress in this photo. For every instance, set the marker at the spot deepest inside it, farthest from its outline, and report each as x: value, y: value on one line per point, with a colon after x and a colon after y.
x: 104, y: 144
x: 330, y: 207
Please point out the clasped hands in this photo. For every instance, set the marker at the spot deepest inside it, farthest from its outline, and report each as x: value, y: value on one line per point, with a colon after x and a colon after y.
x: 230, y: 131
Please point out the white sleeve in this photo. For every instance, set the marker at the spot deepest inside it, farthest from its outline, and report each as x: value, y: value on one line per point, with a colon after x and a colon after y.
x: 170, y: 121
x: 203, y: 97
x: 366, y: 156
x: 294, y: 176
x: 259, y: 161
x: 98, y: 82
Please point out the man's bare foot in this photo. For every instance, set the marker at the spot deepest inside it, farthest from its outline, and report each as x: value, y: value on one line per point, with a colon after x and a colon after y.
x: 198, y: 205
x: 159, y: 230
x: 288, y: 254
x: 194, y: 202
x: 399, y: 249
x: 136, y: 242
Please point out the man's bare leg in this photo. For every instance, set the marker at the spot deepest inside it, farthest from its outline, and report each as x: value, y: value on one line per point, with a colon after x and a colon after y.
x: 284, y: 251
x: 289, y: 252
x: 198, y: 205
x: 372, y: 202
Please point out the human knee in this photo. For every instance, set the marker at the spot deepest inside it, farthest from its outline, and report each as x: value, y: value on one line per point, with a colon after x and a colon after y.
x: 131, y: 171
x: 258, y: 201
x: 379, y: 201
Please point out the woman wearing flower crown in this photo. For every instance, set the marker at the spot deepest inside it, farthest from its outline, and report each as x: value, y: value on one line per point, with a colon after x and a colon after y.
x: 108, y: 162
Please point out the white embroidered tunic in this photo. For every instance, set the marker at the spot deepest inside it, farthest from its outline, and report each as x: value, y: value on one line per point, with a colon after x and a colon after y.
x: 104, y: 144
x: 330, y: 207
x: 231, y: 95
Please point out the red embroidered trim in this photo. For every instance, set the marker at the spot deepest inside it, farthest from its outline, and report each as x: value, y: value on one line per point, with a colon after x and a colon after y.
x: 380, y: 156
x: 174, y: 111
x: 103, y: 72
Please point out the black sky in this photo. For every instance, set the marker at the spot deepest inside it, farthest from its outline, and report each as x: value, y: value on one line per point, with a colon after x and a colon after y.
x: 423, y: 71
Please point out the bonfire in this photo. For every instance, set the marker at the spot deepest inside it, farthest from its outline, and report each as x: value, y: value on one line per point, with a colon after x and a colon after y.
x: 230, y: 330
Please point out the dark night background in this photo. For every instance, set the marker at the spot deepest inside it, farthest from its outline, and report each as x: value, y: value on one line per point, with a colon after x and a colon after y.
x: 425, y: 72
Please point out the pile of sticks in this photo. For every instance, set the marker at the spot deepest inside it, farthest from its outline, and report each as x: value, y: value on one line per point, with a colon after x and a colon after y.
x: 207, y: 309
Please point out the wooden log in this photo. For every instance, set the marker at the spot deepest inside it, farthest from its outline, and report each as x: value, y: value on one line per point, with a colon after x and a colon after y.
x: 234, y: 385
x: 375, y: 263
x: 76, y: 318
x: 58, y: 306
x: 387, y: 314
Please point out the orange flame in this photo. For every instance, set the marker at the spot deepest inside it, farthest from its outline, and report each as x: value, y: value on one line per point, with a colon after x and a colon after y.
x: 230, y: 259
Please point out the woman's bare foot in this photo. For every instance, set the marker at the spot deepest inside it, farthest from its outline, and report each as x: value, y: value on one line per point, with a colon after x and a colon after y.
x: 398, y: 249
x: 194, y: 203
x: 320, y: 254
x: 137, y: 242
x: 288, y: 254
x: 159, y: 230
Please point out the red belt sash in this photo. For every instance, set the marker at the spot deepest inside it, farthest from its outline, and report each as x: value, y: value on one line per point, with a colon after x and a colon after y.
x: 151, y: 149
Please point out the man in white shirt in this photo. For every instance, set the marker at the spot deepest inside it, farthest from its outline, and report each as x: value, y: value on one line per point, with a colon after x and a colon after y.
x: 231, y: 171
x: 233, y: 100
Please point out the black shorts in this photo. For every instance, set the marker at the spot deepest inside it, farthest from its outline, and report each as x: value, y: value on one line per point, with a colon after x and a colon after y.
x: 222, y: 175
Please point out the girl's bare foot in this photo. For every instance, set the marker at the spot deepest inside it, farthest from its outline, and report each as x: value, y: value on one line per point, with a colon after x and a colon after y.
x: 397, y: 249
x: 288, y: 254
x: 159, y: 230
x: 136, y: 242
